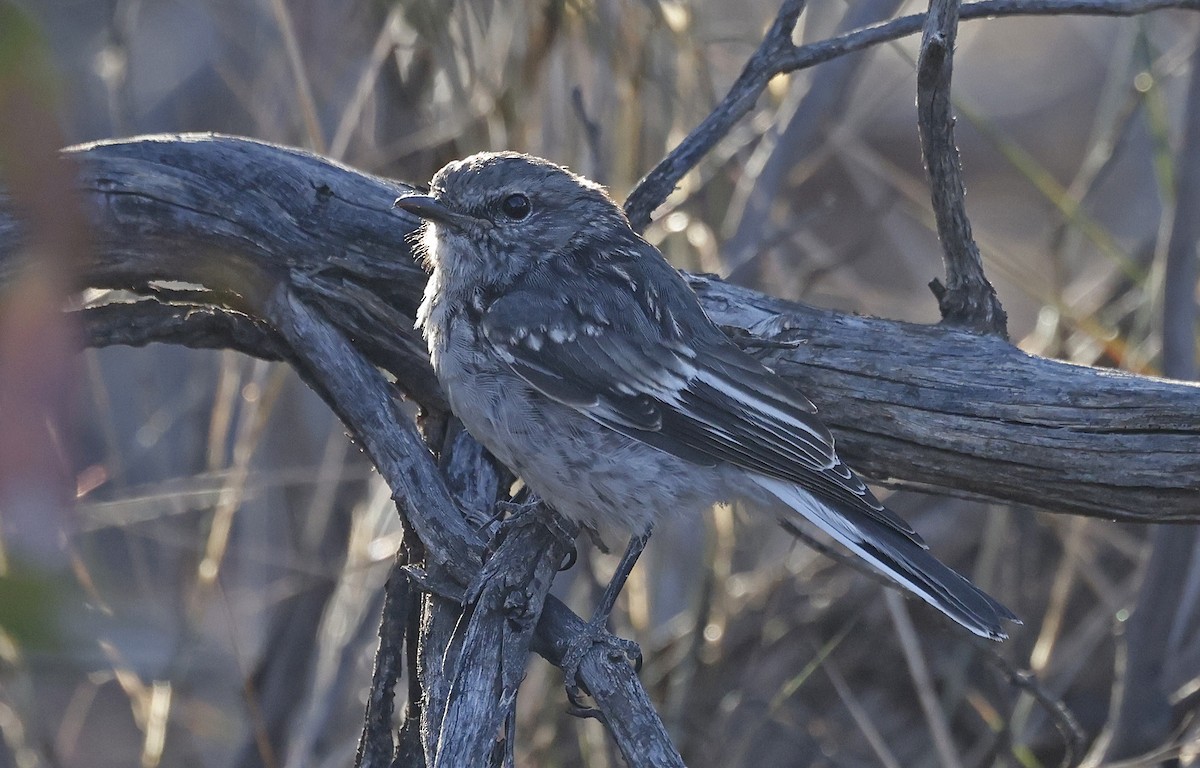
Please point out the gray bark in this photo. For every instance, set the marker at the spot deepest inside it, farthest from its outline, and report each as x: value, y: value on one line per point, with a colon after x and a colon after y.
x: 920, y: 406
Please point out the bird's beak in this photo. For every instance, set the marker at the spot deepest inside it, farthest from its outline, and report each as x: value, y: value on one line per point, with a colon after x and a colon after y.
x: 429, y: 208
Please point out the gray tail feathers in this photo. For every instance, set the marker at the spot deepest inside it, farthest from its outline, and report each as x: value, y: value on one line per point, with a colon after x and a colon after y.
x: 906, y: 563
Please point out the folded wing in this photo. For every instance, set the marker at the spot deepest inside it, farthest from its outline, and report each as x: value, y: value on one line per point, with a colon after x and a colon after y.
x: 650, y: 365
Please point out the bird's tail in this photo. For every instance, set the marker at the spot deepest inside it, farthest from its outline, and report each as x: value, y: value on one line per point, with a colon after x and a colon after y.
x: 900, y: 559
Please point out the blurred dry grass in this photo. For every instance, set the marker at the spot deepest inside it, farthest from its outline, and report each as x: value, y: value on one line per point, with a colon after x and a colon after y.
x: 229, y: 543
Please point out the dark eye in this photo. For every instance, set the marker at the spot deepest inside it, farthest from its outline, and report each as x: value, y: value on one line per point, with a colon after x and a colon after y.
x: 516, y: 207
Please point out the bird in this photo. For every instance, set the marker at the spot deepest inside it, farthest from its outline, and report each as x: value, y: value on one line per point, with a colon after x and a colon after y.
x: 583, y: 361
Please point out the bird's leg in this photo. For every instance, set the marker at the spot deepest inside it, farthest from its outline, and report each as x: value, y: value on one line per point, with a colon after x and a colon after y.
x: 620, y: 576
x: 596, y: 631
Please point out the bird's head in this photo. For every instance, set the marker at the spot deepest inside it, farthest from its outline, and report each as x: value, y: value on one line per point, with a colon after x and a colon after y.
x: 490, y: 216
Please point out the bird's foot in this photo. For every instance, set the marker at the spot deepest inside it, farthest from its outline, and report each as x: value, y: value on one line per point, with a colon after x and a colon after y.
x: 507, y: 517
x: 513, y: 515
x: 515, y: 509
x: 618, y: 649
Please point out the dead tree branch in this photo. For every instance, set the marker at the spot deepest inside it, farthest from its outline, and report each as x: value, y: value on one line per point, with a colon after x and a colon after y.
x: 929, y: 407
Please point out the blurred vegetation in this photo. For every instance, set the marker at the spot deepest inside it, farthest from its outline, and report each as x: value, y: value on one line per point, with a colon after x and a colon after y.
x: 227, y: 547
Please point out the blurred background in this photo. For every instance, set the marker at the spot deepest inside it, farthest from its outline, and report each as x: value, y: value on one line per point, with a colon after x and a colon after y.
x: 211, y: 596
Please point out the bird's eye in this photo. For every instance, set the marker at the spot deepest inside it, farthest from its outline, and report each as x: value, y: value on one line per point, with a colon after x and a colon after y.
x: 516, y: 206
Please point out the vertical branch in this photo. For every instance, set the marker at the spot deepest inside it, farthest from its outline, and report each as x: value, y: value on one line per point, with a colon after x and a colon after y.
x: 505, y: 604
x: 435, y: 653
x: 968, y: 299
x: 375, y: 746
x: 37, y: 342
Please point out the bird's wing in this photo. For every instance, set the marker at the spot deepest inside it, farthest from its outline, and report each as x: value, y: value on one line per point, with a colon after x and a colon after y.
x: 626, y: 343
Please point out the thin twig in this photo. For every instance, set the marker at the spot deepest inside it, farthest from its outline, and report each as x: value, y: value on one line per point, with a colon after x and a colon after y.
x: 654, y: 188
x: 376, y: 747
x: 1064, y: 720
x: 860, y: 715
x: 922, y: 681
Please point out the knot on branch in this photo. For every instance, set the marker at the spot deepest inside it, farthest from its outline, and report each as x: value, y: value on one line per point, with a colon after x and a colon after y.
x: 973, y: 306
x: 519, y: 609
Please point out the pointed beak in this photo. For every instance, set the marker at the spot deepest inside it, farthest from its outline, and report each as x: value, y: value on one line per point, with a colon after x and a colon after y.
x: 430, y: 209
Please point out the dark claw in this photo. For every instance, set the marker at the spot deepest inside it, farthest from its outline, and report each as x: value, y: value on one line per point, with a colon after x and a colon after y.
x: 506, y: 511
x: 585, y: 712
x: 570, y: 560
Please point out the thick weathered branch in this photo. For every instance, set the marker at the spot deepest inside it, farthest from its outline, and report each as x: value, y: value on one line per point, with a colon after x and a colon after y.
x: 504, y: 604
x: 360, y: 397
x: 925, y: 406
x: 138, y: 323
x: 485, y: 659
x: 972, y: 415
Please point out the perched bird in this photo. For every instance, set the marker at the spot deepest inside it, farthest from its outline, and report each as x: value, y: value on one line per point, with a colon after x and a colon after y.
x: 583, y: 361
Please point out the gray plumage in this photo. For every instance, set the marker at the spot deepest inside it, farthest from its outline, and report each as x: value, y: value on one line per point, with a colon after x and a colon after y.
x: 580, y: 358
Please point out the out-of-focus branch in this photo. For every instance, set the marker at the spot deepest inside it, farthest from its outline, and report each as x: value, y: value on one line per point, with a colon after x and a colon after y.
x: 1183, y: 247
x: 967, y: 300
x: 654, y: 188
x: 37, y: 342
x: 1160, y: 646
x: 774, y: 57
x: 820, y: 107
